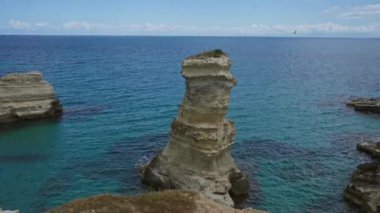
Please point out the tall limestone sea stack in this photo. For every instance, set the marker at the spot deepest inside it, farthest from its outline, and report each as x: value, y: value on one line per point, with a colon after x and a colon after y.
x: 27, y: 96
x: 197, y: 156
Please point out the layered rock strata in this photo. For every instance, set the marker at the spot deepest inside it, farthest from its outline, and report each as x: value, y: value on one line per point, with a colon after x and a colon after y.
x: 197, y: 156
x: 27, y: 96
x: 366, y: 105
x: 371, y: 147
x: 364, y: 189
x: 170, y: 201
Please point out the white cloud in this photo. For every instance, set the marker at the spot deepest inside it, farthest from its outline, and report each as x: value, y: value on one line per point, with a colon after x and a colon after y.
x: 315, y: 28
x: 78, y: 25
x: 40, y: 24
x: 83, y: 27
x: 358, y: 12
x: 147, y: 28
x: 19, y: 25
x: 254, y: 29
x: 365, y: 11
x: 333, y: 9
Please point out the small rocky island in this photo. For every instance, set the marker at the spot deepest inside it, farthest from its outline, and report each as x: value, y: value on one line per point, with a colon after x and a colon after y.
x: 364, y: 189
x: 367, y: 105
x: 197, y: 156
x: 27, y: 96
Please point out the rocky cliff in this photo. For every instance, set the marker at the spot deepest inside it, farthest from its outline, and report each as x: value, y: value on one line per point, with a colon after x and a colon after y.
x: 169, y: 201
x: 197, y: 156
x: 367, y: 105
x: 364, y: 189
x: 27, y: 96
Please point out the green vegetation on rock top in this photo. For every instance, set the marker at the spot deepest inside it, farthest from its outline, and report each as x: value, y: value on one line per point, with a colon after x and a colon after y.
x: 216, y: 53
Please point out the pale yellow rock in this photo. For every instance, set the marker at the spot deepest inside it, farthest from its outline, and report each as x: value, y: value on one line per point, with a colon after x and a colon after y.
x: 27, y: 96
x: 197, y: 156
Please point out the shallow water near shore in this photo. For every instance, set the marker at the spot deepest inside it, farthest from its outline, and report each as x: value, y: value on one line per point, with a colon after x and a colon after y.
x: 295, y: 137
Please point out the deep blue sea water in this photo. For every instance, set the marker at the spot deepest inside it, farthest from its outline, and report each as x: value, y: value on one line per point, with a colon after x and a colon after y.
x: 295, y: 137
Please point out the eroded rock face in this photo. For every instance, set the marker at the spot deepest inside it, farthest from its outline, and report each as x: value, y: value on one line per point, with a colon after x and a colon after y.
x: 366, y: 105
x: 364, y: 189
x: 27, y: 96
x: 197, y: 156
x: 371, y: 147
x: 170, y: 201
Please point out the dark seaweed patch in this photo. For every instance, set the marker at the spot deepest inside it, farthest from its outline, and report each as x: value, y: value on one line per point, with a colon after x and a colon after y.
x: 294, y: 163
x: 23, y: 158
x: 81, y: 112
x: 121, y: 163
x: 26, y: 123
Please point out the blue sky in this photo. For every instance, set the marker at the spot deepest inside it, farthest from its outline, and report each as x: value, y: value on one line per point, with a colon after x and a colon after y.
x: 332, y: 18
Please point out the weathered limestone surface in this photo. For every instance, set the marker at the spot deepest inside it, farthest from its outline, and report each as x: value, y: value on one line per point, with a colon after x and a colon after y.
x: 371, y: 147
x: 8, y: 211
x: 27, y: 96
x: 364, y: 189
x: 366, y: 105
x: 169, y: 201
x: 197, y: 156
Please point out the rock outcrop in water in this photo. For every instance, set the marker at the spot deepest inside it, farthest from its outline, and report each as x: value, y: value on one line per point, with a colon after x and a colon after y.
x: 8, y: 211
x: 197, y: 156
x: 364, y: 189
x: 27, y: 96
x: 170, y: 201
x: 371, y: 147
x: 371, y: 105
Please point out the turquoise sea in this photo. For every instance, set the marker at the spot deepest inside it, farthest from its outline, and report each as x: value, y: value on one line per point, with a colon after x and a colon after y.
x: 295, y: 137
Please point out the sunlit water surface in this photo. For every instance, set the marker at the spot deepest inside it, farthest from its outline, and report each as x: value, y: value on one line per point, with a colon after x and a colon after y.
x: 295, y: 137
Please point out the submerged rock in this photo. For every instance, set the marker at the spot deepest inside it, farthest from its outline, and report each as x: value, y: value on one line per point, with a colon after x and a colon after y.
x: 197, y: 156
x: 27, y: 96
x: 169, y: 201
x: 364, y: 189
x: 366, y: 105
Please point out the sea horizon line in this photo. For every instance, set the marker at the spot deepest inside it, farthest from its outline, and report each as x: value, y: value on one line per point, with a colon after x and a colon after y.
x: 200, y: 36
